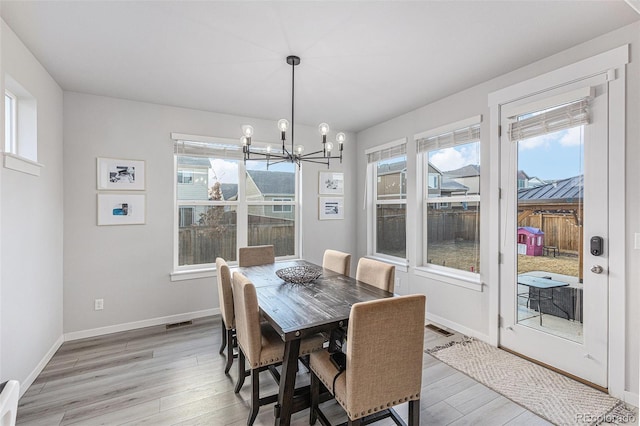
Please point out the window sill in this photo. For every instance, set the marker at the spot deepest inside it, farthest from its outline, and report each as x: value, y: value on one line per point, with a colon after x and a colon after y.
x: 450, y: 278
x: 21, y: 164
x: 192, y: 274
x: 401, y: 264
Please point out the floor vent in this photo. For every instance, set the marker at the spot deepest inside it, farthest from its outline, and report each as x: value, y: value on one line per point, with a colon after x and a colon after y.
x: 438, y: 330
x: 178, y: 324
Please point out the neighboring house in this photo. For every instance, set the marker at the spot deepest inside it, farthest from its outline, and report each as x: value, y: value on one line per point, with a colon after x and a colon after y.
x: 392, y: 180
x: 526, y: 181
x: 192, y: 184
x: 468, y: 176
x: 263, y: 185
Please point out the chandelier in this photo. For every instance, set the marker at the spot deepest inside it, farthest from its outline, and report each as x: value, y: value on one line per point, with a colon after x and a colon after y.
x: 296, y: 154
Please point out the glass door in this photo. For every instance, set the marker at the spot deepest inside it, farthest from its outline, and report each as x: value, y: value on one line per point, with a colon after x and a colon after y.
x: 554, y: 180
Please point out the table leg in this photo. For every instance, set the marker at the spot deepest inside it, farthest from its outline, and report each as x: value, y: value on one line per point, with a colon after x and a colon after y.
x: 284, y: 409
x: 539, y: 308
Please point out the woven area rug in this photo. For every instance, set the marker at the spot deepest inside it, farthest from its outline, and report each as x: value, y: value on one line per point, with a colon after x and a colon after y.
x: 550, y: 395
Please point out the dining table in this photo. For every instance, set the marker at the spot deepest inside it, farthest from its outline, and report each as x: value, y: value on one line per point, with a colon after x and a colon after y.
x: 296, y: 311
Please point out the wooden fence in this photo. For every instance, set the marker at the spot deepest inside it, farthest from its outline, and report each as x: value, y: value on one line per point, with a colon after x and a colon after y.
x: 450, y: 225
x: 560, y: 230
x: 202, y: 244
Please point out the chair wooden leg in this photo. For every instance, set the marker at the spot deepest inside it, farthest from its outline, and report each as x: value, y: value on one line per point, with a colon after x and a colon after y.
x: 229, y: 339
x: 241, y: 372
x: 315, y: 398
x: 356, y: 422
x: 224, y: 337
x: 414, y: 413
x: 255, y: 396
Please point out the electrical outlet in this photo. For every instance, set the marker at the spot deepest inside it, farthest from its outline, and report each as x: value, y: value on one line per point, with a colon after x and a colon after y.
x: 398, y: 283
x: 98, y: 304
x: 636, y: 243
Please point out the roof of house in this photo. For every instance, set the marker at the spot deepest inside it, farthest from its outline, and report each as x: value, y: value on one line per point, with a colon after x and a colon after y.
x: 466, y: 171
x: 273, y: 183
x: 229, y: 191
x: 451, y: 185
x: 567, y: 190
x: 391, y: 168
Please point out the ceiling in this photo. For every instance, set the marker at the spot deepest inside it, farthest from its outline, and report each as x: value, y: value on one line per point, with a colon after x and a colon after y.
x: 363, y: 62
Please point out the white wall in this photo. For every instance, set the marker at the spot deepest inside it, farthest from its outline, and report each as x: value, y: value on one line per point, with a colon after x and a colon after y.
x: 468, y: 310
x: 31, y: 223
x: 129, y: 266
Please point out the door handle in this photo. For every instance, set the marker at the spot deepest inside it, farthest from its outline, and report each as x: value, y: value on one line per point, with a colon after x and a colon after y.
x: 597, y: 269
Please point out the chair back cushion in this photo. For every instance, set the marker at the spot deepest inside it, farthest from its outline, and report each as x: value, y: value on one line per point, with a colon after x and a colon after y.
x: 256, y: 255
x: 337, y: 261
x: 245, y: 302
x: 376, y: 273
x: 225, y: 293
x: 385, y: 342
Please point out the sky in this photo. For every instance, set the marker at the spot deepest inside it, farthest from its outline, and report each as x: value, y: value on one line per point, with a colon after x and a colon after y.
x: 226, y: 171
x: 549, y: 157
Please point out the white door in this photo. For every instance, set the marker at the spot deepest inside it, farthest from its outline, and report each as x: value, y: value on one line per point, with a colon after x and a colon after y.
x: 553, y: 212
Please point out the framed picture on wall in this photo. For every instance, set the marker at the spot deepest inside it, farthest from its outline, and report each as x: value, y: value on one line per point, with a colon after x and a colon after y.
x: 118, y: 174
x: 331, y: 183
x: 121, y: 209
x: 331, y: 208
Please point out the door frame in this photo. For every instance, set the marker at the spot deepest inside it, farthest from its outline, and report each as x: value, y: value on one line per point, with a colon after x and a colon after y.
x: 612, y: 63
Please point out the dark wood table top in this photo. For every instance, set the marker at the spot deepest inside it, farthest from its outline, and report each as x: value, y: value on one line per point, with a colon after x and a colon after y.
x: 298, y: 310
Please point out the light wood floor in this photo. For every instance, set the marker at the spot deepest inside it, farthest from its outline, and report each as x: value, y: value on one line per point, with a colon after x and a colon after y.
x: 156, y: 376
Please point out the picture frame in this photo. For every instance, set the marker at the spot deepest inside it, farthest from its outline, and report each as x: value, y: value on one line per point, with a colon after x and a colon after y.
x: 115, y: 174
x: 331, y: 208
x: 121, y: 209
x: 331, y: 183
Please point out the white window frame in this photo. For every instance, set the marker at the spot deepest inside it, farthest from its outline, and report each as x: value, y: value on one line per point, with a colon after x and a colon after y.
x: 11, y: 122
x: 458, y: 277
x: 372, y: 203
x: 21, y: 153
x: 211, y: 147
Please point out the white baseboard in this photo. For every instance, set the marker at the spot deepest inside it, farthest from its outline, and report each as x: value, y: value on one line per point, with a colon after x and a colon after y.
x: 43, y: 363
x: 75, y: 335
x: 457, y: 327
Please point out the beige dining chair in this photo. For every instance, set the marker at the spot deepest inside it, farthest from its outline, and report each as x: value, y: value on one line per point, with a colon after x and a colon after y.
x: 337, y: 261
x: 256, y: 255
x: 225, y: 296
x: 385, y: 342
x: 258, y: 343
x: 376, y: 273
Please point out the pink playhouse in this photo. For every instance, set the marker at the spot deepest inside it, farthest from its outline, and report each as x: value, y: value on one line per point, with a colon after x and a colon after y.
x: 530, y: 241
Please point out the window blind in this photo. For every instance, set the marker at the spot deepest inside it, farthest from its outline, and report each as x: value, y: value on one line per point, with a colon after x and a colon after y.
x: 551, y: 120
x: 207, y: 149
x: 387, y: 153
x: 450, y: 139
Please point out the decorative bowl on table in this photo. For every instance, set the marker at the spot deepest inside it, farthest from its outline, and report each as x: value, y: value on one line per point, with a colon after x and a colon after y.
x: 299, y: 274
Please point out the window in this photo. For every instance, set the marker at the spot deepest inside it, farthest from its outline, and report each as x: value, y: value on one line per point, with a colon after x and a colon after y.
x: 282, y: 208
x: 10, y: 113
x: 387, y: 228
x: 450, y: 158
x: 20, y: 128
x: 185, y: 176
x: 223, y: 204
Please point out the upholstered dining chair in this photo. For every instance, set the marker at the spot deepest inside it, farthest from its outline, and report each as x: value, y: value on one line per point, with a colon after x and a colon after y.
x: 258, y: 343
x: 225, y: 295
x: 385, y: 342
x: 256, y: 255
x: 9, y: 395
x: 376, y: 273
x: 337, y: 261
